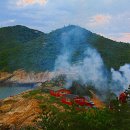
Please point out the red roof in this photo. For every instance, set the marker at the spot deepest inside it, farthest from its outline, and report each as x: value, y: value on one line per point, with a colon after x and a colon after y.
x: 59, y: 92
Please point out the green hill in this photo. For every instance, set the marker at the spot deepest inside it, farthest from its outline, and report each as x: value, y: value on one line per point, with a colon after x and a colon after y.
x: 32, y: 50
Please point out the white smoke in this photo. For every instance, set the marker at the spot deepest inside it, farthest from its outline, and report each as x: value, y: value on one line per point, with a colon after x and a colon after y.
x: 121, y: 78
x: 91, y: 70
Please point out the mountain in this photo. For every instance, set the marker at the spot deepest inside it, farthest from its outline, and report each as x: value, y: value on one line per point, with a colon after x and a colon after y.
x: 12, y: 43
x: 32, y: 50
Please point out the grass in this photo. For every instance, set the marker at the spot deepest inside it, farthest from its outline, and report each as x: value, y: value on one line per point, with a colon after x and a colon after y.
x: 53, y: 118
x: 76, y: 120
x: 53, y: 99
x: 38, y: 97
x: 32, y: 94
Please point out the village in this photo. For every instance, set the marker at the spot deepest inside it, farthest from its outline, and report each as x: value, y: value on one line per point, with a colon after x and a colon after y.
x: 67, y: 96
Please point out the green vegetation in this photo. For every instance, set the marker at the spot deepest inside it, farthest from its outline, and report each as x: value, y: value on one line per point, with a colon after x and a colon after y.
x: 33, y: 93
x: 74, y: 120
x: 39, y: 97
x: 52, y: 99
x: 58, y: 116
x: 114, y: 54
x: 30, y: 49
x: 92, y: 119
x: 28, y: 128
x: 13, y: 41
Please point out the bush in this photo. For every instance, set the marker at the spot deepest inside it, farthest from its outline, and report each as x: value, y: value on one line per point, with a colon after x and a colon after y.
x: 75, y: 120
x: 33, y: 93
x: 92, y: 119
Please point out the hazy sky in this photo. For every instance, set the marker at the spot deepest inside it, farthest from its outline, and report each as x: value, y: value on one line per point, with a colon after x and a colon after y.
x: 110, y: 18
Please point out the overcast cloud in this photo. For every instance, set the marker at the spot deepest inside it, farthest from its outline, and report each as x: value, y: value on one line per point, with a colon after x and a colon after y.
x: 110, y: 18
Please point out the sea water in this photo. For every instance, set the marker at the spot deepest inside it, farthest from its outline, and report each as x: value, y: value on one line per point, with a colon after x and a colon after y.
x: 7, y: 90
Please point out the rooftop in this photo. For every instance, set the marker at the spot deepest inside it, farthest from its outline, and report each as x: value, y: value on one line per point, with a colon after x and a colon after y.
x: 71, y: 96
x: 54, y: 88
x: 87, y: 98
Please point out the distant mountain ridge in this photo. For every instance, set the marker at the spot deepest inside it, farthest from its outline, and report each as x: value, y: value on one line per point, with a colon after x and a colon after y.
x: 33, y: 50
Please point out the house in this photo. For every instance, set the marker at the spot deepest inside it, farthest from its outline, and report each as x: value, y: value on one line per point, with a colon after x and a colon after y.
x: 69, y: 99
x: 90, y: 104
x: 58, y: 91
x: 80, y: 101
x: 84, y: 101
x: 123, y: 97
x: 87, y: 98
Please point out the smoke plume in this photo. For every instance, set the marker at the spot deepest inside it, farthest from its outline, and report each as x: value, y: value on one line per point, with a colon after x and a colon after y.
x: 121, y: 78
x: 90, y: 69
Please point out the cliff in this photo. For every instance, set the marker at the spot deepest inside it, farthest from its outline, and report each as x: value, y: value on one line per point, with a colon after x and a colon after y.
x: 21, y: 76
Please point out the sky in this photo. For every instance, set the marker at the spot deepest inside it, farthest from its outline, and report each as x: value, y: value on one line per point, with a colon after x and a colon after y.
x: 110, y: 18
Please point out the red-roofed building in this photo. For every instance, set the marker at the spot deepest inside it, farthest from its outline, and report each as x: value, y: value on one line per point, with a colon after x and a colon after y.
x: 123, y: 97
x: 58, y: 91
x: 71, y: 99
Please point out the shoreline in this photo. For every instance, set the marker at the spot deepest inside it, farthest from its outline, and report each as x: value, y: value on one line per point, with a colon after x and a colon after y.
x: 11, y: 89
x: 19, y: 83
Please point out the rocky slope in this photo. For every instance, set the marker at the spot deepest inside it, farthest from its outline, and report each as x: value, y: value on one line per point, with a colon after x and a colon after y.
x: 5, y: 76
x: 21, y: 76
